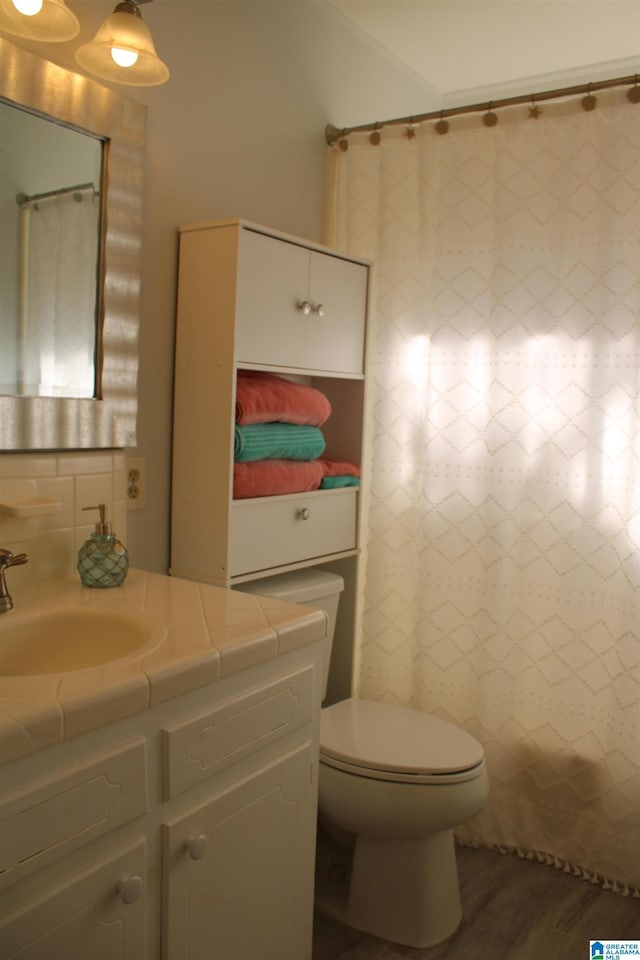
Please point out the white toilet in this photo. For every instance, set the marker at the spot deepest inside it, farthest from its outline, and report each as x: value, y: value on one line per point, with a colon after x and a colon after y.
x: 394, y: 782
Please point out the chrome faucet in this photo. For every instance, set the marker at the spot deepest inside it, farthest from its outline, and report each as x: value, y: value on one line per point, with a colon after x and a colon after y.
x: 8, y: 559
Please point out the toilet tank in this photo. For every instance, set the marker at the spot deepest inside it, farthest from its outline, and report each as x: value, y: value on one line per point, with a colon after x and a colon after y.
x: 312, y: 587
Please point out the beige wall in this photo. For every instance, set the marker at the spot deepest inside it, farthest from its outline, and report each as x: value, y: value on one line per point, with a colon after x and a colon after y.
x: 236, y: 132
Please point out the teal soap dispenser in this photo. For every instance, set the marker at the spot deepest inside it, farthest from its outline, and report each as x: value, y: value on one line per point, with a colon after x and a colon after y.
x: 102, y: 560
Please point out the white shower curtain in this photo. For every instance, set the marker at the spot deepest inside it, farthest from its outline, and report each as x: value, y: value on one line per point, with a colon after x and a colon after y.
x: 502, y: 580
x: 58, y: 293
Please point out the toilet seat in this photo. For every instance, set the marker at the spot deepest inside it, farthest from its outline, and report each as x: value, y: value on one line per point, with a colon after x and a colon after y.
x: 383, y: 741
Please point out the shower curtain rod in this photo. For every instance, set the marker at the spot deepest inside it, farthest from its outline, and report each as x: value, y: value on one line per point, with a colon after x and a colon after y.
x: 23, y: 200
x: 332, y: 134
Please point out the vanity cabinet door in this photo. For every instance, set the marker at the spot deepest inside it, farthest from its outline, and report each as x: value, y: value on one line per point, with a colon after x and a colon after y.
x: 298, y: 307
x: 238, y: 870
x: 97, y: 914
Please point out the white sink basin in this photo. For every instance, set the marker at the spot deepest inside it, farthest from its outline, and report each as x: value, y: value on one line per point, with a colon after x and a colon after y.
x: 68, y: 640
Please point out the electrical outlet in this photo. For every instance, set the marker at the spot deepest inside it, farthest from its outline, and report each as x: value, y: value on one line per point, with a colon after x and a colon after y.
x: 136, y: 483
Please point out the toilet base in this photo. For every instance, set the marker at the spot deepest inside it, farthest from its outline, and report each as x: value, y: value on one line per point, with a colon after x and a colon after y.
x: 403, y: 891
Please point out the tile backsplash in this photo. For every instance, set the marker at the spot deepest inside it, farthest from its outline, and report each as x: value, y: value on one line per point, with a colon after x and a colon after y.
x: 69, y: 481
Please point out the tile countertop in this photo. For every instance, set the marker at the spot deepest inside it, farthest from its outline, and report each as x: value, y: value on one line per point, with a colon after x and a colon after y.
x: 206, y: 633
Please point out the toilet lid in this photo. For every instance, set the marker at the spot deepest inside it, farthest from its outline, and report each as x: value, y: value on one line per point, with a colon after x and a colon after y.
x: 393, y: 739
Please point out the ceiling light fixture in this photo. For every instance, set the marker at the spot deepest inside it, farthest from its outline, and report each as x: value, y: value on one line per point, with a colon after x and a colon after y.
x: 44, y: 20
x: 122, y: 50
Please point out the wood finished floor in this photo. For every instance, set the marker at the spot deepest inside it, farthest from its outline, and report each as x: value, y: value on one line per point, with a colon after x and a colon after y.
x: 512, y: 909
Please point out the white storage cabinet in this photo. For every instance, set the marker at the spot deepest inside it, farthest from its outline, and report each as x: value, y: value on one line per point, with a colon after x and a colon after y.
x: 254, y: 298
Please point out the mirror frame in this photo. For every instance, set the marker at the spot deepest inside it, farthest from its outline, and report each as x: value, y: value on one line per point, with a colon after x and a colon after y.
x: 108, y: 421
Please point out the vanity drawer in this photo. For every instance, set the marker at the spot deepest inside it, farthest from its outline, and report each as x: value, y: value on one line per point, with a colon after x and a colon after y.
x: 199, y: 748
x: 274, y: 531
x: 64, y: 812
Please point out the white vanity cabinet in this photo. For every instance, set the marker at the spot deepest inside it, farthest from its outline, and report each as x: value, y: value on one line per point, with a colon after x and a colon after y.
x: 185, y: 832
x: 256, y: 299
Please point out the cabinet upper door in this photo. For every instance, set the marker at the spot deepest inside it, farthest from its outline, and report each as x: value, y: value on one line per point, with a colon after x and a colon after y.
x: 336, y: 335
x: 299, y: 308
x: 273, y: 282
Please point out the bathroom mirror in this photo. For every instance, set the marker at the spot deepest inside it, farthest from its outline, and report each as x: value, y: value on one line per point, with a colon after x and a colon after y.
x: 50, y: 265
x: 109, y: 130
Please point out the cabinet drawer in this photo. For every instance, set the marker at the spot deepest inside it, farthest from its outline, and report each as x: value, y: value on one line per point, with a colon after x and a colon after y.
x: 202, y: 746
x: 82, y: 803
x: 274, y: 531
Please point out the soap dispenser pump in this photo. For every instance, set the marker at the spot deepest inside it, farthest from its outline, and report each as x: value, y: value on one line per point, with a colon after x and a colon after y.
x: 102, y: 560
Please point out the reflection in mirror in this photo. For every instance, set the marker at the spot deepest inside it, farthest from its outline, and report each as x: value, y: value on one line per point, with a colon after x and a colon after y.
x: 106, y: 417
x: 50, y: 201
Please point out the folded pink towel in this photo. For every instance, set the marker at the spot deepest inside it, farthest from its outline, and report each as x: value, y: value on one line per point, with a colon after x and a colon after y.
x: 265, y: 397
x: 339, y: 468
x: 270, y: 478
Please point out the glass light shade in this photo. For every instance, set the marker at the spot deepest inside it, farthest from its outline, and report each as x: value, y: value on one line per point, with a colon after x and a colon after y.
x: 54, y: 23
x: 125, y: 30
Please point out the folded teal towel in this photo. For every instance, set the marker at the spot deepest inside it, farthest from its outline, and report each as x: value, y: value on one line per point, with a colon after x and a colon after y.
x: 330, y: 483
x: 285, y: 441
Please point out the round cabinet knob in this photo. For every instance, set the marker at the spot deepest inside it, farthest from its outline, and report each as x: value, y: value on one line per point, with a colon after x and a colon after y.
x: 304, y: 307
x: 304, y: 513
x: 130, y: 889
x: 196, y: 846
x: 319, y: 309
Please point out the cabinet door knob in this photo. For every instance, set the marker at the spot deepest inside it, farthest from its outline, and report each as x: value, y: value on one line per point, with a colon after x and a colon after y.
x: 319, y: 309
x: 304, y: 307
x: 196, y: 846
x: 304, y: 513
x: 129, y: 889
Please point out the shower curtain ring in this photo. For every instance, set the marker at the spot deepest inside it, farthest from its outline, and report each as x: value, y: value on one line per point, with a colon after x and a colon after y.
x: 633, y: 93
x: 442, y: 126
x: 534, y: 109
x: 410, y: 132
x: 589, y: 102
x: 490, y: 119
